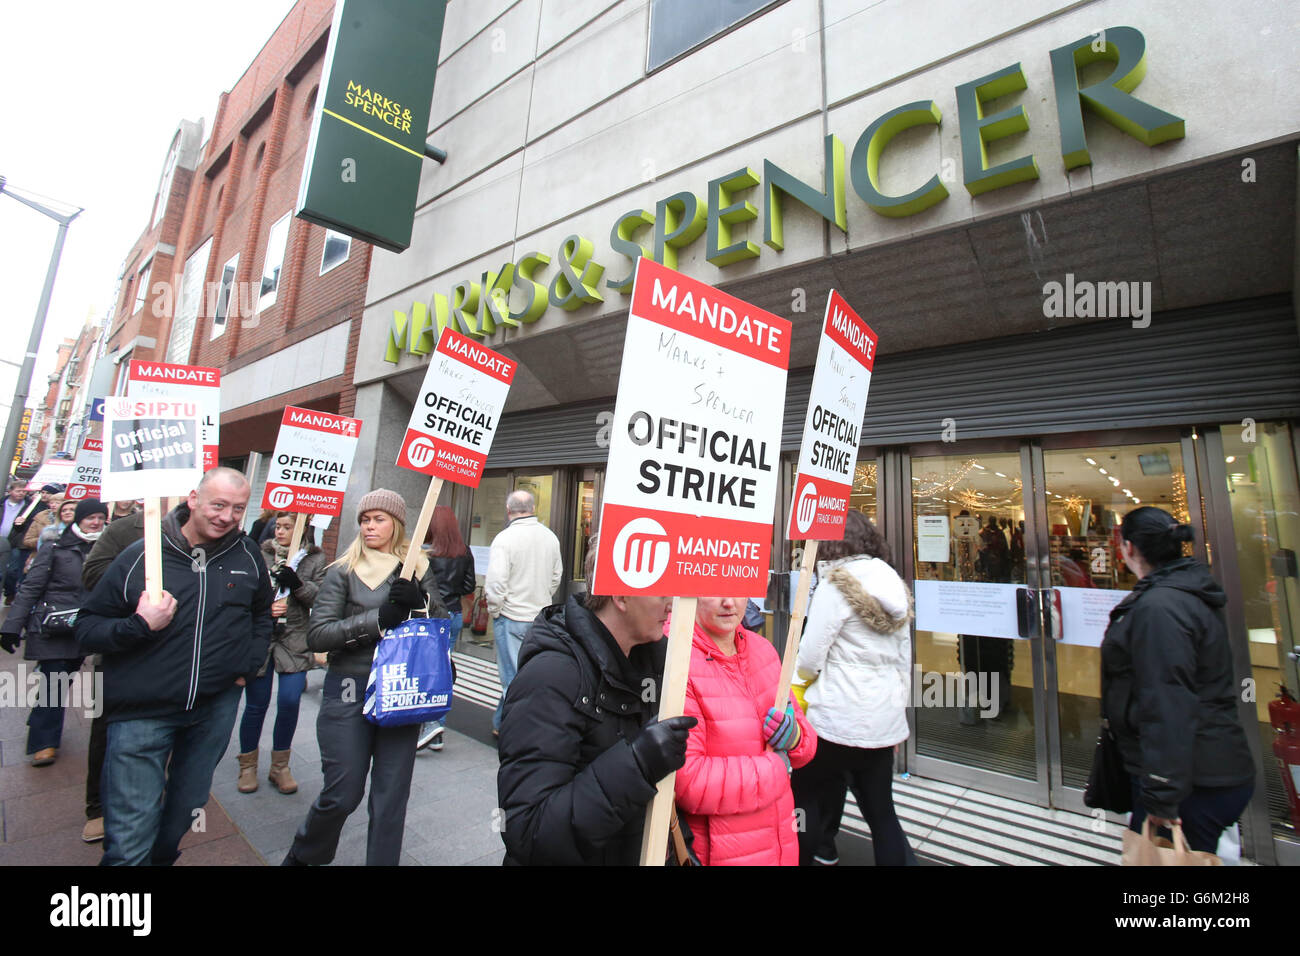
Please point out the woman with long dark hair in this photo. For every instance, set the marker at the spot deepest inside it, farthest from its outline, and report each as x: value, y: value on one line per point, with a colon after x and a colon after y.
x: 1168, y: 689
x: 856, y: 656
x: 453, y: 568
x: 362, y: 596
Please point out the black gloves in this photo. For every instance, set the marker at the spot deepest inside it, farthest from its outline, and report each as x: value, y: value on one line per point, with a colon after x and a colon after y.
x: 10, y: 641
x: 404, y: 596
x: 287, y: 578
x: 661, y: 746
x: 391, y: 615
x: 406, y: 593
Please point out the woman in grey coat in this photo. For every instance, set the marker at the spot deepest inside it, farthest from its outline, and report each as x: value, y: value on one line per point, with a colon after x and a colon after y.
x: 362, y: 596
x: 297, y: 577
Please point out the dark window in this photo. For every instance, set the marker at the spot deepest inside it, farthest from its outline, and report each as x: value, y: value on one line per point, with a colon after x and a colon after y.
x: 679, y: 25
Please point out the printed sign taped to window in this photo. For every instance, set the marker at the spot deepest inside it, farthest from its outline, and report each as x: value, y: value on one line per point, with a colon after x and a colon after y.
x: 832, y: 429
x: 690, y: 487
x: 151, y: 448
x: 310, y: 465
x: 457, y: 411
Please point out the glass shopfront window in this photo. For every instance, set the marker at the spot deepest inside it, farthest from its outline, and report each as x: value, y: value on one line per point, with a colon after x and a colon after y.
x: 1260, y: 468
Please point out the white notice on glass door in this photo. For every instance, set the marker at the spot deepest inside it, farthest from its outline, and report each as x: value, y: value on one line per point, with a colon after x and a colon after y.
x: 1085, y: 614
x: 967, y: 607
x: 932, y: 538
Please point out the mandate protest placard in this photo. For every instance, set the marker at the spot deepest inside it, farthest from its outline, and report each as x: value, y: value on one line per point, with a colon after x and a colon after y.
x: 181, y: 383
x: 85, y: 474
x: 695, y: 442
x: 309, y: 468
x: 836, y: 405
x: 151, y: 449
x: 456, y: 414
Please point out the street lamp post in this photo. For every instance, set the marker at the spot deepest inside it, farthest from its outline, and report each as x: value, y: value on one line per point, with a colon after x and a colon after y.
x: 8, y: 448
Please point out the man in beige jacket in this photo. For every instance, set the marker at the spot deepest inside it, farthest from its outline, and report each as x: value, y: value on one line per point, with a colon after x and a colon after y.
x: 523, y: 573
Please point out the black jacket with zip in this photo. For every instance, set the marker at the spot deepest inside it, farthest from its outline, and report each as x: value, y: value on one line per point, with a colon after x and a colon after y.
x: 1168, y: 688
x: 221, y: 630
x: 570, y: 788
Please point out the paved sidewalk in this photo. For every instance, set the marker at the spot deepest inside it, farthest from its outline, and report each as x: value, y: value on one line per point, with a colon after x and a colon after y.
x: 42, y: 809
x: 449, y: 818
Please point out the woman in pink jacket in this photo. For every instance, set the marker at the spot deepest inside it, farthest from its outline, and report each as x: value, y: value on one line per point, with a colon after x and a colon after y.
x: 735, y: 786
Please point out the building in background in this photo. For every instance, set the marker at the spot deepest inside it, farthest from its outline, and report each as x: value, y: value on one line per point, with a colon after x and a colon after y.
x: 226, y: 277
x: 1084, y: 303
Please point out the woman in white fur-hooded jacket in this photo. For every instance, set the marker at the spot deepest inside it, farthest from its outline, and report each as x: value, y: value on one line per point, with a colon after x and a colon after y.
x: 856, y: 655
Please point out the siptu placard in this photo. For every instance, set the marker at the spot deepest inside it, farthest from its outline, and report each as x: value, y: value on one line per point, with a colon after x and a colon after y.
x: 828, y: 453
x: 180, y: 383
x: 695, y: 443
x: 151, y: 448
x: 312, y: 459
x: 456, y: 414
x: 86, y: 473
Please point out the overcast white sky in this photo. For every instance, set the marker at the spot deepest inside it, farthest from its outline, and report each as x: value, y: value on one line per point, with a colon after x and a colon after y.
x: 95, y: 93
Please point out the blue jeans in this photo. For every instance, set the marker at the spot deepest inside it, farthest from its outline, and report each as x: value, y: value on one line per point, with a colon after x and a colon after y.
x: 257, y: 700
x: 510, y: 637
x: 149, y: 804
x: 45, y: 721
x: 14, y: 571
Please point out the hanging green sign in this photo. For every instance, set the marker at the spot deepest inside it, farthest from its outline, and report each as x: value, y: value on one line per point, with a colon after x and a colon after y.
x: 372, y: 115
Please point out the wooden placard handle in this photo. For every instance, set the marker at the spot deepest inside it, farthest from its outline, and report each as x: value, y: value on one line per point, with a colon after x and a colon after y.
x: 806, y: 568
x: 672, y: 700
x: 153, y: 582
x: 421, y: 527
x: 299, y: 523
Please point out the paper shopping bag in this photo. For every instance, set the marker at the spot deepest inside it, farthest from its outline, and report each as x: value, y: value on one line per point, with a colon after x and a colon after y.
x: 1146, y: 849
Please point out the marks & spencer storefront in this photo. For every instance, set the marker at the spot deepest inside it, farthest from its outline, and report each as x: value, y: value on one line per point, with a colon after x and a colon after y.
x: 1077, y: 246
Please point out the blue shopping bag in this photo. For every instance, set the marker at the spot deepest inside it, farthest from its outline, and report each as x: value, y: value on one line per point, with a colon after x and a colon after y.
x: 410, y: 679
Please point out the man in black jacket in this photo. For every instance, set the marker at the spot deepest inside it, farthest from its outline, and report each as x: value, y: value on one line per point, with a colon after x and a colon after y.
x: 18, y: 556
x: 580, y: 749
x: 174, y: 670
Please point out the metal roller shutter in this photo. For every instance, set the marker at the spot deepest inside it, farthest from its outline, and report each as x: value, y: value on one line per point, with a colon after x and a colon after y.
x: 1207, y: 365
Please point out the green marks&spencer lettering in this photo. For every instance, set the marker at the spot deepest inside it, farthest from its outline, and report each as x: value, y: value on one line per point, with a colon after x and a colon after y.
x: 479, y: 308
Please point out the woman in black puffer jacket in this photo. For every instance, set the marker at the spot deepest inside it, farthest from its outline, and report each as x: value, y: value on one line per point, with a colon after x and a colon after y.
x: 361, y: 597
x: 53, y: 583
x: 1168, y: 688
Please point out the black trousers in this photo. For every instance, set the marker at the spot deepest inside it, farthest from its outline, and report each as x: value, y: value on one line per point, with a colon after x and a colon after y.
x: 350, y: 748
x: 819, y: 789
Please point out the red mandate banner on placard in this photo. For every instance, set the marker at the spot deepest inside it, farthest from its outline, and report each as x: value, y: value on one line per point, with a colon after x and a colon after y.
x: 695, y: 444
x: 309, y: 467
x: 457, y: 411
x: 86, y: 471
x: 185, y: 383
x: 837, y: 402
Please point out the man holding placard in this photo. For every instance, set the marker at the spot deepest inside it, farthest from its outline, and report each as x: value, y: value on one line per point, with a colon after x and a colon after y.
x: 174, y: 666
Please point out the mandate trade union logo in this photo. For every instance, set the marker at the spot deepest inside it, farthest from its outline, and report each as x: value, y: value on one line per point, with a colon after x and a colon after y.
x: 76, y: 491
x: 281, y: 497
x: 806, y: 508
x: 641, y: 553
x: 421, y: 452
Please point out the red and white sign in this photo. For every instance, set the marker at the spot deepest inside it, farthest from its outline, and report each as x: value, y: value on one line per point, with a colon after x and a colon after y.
x: 828, y: 453
x: 456, y: 415
x: 310, y: 465
x: 690, y: 488
x: 85, y: 475
x: 183, y: 383
x: 152, y: 448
